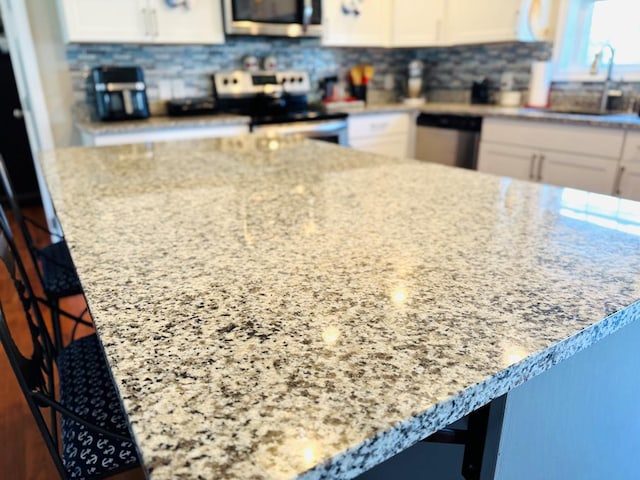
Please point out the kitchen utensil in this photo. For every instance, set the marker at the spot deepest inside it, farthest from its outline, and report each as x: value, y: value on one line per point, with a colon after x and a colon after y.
x: 367, y: 74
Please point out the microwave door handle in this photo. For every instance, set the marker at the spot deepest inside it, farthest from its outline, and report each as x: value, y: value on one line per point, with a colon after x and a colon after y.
x: 307, y: 13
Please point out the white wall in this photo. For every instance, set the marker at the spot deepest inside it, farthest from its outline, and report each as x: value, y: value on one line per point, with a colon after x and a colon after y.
x: 54, y: 70
x: 580, y: 419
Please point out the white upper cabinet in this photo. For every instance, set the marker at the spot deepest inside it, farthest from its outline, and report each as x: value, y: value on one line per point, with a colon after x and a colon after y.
x: 141, y: 21
x: 109, y: 21
x: 201, y: 23
x: 356, y: 23
x: 483, y: 21
x: 418, y: 23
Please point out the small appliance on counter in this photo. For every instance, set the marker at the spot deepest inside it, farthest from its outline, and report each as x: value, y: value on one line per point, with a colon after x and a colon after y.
x: 184, y: 107
x: 120, y: 93
x: 480, y: 92
x: 414, y: 83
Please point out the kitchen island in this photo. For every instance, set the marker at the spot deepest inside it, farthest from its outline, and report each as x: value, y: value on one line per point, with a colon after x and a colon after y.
x: 283, y: 308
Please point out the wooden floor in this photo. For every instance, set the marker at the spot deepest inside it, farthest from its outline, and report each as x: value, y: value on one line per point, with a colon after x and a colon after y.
x: 23, y: 454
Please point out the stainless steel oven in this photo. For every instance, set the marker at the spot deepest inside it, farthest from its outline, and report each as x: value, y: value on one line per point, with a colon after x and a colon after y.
x: 277, y: 104
x: 288, y: 18
x: 334, y: 131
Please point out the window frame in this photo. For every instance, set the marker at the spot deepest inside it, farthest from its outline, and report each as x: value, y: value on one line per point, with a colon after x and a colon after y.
x: 565, y: 72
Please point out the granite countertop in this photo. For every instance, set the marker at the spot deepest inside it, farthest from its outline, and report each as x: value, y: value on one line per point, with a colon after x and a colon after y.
x: 158, y: 122
x: 621, y: 120
x: 284, y: 308
x: 615, y: 120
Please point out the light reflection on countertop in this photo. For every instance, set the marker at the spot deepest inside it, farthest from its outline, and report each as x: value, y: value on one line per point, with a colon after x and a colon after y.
x: 311, y: 310
x: 602, y: 210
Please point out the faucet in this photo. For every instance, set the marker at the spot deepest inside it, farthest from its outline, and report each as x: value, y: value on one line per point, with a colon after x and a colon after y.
x: 594, y: 70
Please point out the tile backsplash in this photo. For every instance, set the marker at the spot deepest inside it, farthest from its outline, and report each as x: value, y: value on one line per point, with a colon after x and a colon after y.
x: 172, y: 70
x: 176, y: 71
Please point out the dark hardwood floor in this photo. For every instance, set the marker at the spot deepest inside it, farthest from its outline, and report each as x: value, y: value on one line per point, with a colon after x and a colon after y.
x: 23, y: 454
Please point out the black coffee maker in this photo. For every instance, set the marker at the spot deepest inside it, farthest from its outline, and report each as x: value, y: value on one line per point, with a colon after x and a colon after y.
x: 120, y: 93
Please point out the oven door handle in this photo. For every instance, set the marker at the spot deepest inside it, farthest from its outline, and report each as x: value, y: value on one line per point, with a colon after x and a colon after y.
x: 317, y: 128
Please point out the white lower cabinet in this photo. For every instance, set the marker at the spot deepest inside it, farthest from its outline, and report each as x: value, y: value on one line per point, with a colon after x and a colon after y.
x: 162, y: 135
x: 587, y: 158
x: 629, y: 182
x: 382, y: 133
x: 556, y: 168
x: 577, y: 171
x: 507, y: 160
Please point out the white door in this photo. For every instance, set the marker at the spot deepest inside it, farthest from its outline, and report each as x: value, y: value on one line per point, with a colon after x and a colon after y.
x: 107, y: 21
x: 476, y: 21
x: 417, y: 23
x: 629, y: 186
x: 507, y: 160
x: 36, y: 117
x: 357, y: 23
x: 195, y: 22
x: 593, y: 174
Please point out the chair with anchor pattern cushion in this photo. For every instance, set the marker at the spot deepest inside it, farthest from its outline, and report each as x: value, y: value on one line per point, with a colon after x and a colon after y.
x: 72, y: 387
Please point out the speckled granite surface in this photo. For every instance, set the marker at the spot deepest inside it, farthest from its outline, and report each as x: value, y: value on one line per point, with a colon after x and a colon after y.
x: 621, y: 120
x: 160, y: 122
x: 291, y: 309
x: 626, y: 121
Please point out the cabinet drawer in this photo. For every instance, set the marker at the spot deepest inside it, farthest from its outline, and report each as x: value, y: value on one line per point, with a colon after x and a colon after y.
x: 164, y: 135
x: 577, y: 171
x: 631, y: 152
x: 391, y: 145
x: 378, y: 124
x: 591, y: 141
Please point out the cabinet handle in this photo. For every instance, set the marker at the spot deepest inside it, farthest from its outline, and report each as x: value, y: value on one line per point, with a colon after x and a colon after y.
x: 18, y: 114
x: 540, y: 162
x: 438, y: 30
x: 154, y: 18
x: 618, y: 183
x: 532, y: 164
x: 145, y: 17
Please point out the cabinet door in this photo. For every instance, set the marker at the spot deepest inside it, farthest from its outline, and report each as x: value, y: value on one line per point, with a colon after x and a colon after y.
x: 629, y: 186
x: 417, y: 24
x: 370, y: 27
x: 112, y: 21
x: 507, y: 160
x: 631, y: 150
x: 593, y: 174
x: 474, y: 21
x: 200, y: 22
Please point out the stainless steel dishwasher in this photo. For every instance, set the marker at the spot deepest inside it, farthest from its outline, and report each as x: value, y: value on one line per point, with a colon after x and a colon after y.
x: 449, y: 139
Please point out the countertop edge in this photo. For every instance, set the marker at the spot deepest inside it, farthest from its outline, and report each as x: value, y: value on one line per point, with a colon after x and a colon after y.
x: 376, y: 450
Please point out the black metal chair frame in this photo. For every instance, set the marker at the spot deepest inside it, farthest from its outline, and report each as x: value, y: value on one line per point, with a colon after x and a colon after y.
x: 52, y: 301
x: 37, y: 375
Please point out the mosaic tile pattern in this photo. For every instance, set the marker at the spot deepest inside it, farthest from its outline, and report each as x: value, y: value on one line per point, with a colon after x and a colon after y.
x: 449, y: 71
x: 447, y: 68
x: 288, y: 309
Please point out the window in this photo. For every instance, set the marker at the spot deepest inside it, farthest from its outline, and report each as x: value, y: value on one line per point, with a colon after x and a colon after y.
x: 589, y: 25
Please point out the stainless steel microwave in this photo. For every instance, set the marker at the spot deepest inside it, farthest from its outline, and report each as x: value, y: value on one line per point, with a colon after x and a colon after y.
x: 283, y: 18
